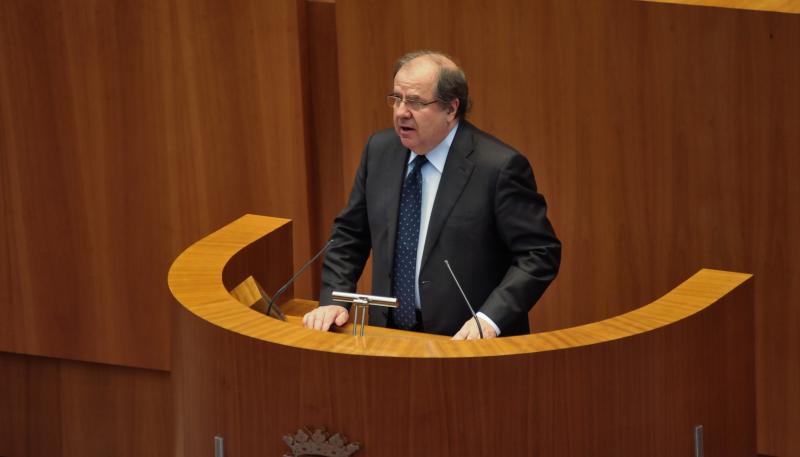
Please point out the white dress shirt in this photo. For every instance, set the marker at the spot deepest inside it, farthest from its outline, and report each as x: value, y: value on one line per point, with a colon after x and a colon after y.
x: 431, y: 176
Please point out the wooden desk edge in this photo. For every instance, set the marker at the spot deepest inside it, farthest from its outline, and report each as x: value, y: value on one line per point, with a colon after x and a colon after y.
x: 769, y: 6
x: 195, y: 280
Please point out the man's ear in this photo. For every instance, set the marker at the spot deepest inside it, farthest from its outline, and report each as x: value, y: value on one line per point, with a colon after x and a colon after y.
x: 453, y: 108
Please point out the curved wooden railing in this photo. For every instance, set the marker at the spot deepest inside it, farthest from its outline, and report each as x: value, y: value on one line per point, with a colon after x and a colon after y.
x: 196, y: 281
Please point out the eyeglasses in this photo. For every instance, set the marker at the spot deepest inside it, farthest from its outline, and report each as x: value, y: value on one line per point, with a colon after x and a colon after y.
x: 393, y: 101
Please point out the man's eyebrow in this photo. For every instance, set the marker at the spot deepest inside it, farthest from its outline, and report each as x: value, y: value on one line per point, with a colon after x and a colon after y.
x: 408, y: 97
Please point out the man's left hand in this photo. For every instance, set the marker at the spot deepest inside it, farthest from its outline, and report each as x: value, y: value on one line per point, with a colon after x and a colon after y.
x: 469, y: 331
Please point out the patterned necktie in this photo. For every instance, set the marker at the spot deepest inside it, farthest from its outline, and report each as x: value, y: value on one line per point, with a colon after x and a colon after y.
x: 405, y: 252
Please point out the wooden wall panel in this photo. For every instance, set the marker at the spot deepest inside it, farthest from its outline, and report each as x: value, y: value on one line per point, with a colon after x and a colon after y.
x: 30, y: 414
x: 57, y: 408
x: 81, y: 181
x: 325, y: 174
x: 664, y: 137
x: 128, y: 129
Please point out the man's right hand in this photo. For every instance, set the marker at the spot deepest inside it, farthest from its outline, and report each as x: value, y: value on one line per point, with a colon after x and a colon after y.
x: 322, y: 317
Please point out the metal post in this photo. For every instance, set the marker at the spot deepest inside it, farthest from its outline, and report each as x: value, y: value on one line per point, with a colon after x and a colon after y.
x: 698, y: 441
x: 219, y: 447
x: 363, y: 318
x: 361, y: 311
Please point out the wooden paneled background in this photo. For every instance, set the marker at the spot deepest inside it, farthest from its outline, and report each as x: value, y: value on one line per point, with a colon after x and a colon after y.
x: 665, y: 138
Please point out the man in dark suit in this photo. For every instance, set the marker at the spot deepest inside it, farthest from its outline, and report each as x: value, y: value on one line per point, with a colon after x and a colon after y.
x: 436, y: 188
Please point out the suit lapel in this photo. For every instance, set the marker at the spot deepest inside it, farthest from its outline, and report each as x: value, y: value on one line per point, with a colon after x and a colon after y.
x: 457, y: 170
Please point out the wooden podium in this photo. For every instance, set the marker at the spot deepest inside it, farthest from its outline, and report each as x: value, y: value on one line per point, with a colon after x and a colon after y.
x: 634, y: 385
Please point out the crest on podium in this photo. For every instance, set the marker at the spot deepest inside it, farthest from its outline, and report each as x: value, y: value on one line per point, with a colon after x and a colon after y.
x: 319, y: 444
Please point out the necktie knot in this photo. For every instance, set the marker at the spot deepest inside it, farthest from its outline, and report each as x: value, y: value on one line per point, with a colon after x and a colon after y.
x: 417, y: 164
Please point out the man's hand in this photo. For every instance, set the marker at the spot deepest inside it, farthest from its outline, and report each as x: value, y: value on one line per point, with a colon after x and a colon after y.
x: 469, y: 331
x: 322, y: 317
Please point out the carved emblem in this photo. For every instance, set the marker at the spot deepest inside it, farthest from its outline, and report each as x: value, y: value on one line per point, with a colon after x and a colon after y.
x: 319, y: 444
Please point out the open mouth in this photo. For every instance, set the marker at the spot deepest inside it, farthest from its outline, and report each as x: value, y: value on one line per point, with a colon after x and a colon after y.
x: 406, y: 129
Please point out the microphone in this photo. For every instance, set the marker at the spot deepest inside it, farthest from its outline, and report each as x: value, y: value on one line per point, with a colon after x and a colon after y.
x: 471, y: 310
x: 296, y: 275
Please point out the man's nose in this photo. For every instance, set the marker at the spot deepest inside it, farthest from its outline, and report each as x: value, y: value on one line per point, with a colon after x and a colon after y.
x: 403, y: 111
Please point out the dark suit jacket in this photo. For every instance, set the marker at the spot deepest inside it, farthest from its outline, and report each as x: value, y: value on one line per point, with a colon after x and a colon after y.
x: 488, y: 220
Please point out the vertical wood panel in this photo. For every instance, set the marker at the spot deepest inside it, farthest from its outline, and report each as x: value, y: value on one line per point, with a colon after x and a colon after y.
x: 29, y: 408
x: 57, y: 408
x: 325, y: 148
x: 128, y: 129
x: 664, y: 137
x: 242, y: 100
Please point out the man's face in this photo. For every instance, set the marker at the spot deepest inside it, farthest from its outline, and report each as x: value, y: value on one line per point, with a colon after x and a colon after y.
x: 421, y: 130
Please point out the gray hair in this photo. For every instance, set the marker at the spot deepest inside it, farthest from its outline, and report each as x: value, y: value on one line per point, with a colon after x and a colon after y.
x: 452, y: 82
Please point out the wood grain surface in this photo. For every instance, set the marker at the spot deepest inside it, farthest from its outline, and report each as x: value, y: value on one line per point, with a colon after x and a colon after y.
x: 634, y: 384
x: 128, y: 129
x: 326, y: 176
x: 60, y: 408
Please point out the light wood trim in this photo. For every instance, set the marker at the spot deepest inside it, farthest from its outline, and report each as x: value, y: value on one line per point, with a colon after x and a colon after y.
x: 777, y: 6
x: 247, y: 292
x: 195, y: 280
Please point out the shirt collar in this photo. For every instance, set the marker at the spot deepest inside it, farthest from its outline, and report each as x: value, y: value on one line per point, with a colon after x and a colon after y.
x: 438, y: 155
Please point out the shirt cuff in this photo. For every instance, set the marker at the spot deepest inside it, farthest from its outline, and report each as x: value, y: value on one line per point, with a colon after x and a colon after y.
x: 490, y: 321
